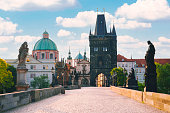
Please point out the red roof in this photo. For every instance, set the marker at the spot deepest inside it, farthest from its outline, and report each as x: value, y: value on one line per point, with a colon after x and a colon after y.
x: 140, y: 62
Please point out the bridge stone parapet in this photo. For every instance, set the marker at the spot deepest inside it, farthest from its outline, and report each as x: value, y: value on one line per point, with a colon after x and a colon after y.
x: 71, y: 87
x: 15, y: 99
x: 158, y: 100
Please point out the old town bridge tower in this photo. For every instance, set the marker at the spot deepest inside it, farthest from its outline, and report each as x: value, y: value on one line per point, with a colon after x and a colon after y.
x: 103, y: 50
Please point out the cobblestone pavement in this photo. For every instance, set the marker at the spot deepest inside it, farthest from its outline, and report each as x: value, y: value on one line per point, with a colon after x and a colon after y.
x: 87, y: 100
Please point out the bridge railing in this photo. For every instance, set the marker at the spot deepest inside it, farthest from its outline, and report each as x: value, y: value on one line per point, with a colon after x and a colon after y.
x: 15, y: 99
x: 158, y: 100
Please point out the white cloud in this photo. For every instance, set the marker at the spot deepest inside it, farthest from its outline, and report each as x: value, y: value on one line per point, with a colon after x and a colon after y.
x: 128, y: 45
x: 88, y: 18
x: 145, y: 9
x: 18, y: 39
x: 27, y: 38
x: 64, y: 33
x: 27, y: 5
x: 79, y: 44
x: 122, y: 23
x: 164, y: 39
x: 3, y: 49
x: 126, y: 39
x: 6, y: 39
x: 7, y: 27
x: 84, y: 35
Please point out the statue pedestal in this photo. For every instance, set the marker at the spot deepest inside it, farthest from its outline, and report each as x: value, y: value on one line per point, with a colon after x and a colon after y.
x: 21, y: 79
x: 132, y: 84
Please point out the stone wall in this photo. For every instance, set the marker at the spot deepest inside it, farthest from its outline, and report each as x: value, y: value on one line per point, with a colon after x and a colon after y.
x: 70, y: 87
x: 158, y: 100
x: 12, y: 100
x: 136, y: 95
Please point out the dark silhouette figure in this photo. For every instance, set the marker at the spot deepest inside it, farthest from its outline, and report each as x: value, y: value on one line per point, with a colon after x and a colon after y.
x: 131, y: 80
x: 150, y: 71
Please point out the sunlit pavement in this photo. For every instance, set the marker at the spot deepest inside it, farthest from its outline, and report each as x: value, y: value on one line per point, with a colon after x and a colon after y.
x: 87, y: 100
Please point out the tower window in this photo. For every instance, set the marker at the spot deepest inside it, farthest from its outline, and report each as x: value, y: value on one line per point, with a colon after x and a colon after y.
x: 95, y: 48
x: 43, y: 55
x: 51, y: 56
x: 104, y: 48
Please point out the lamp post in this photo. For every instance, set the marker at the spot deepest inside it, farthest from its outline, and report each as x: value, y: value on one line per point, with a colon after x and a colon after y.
x: 56, y: 81
x: 63, y: 78
x: 124, y: 72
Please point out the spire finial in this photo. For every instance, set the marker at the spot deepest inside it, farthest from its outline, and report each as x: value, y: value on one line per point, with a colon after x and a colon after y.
x: 104, y: 10
x: 97, y: 10
x: 90, y: 31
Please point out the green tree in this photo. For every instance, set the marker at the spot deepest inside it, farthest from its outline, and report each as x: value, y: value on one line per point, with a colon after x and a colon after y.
x: 141, y: 86
x: 120, y: 75
x: 163, y: 78
x: 14, y: 74
x: 40, y: 82
x: 6, y: 78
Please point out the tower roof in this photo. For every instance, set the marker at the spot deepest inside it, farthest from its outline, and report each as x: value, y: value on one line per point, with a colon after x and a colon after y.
x: 79, y: 56
x: 69, y: 55
x: 113, y: 30
x: 100, y: 28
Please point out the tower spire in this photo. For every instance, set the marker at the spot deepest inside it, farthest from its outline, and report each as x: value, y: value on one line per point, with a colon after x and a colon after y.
x: 85, y: 58
x: 69, y: 54
x: 90, y: 31
x: 100, y: 28
x: 113, y: 30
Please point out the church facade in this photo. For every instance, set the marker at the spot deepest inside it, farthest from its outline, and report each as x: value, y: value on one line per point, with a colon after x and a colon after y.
x: 103, y: 50
x: 42, y: 61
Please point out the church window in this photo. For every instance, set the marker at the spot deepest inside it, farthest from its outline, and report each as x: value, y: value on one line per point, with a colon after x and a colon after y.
x: 104, y: 48
x: 31, y: 66
x: 119, y: 65
x: 51, y: 56
x: 122, y: 65
x: 43, y: 55
x: 43, y: 66
x: 32, y: 75
x: 95, y: 48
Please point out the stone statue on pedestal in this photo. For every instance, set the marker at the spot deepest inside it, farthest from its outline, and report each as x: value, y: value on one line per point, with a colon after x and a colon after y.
x: 23, y: 51
x: 150, y: 71
x: 21, y: 68
x: 131, y: 81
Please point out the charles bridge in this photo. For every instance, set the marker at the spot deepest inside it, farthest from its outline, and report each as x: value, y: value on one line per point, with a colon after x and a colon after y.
x: 85, y: 100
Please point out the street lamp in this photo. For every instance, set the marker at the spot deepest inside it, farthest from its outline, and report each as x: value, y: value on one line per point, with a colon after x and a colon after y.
x: 63, y: 77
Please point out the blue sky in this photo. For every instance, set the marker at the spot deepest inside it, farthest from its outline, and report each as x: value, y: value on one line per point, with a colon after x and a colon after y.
x: 69, y: 21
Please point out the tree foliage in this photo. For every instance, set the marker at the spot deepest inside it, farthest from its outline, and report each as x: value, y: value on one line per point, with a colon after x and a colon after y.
x: 6, y: 78
x: 40, y: 82
x: 120, y: 75
x: 163, y: 78
x: 141, y: 86
x: 14, y: 74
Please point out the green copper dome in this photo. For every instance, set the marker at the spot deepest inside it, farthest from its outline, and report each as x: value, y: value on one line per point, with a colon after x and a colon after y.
x: 45, y: 44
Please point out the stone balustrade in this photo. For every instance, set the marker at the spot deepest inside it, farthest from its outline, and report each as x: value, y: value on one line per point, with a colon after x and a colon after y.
x: 158, y: 100
x: 15, y: 99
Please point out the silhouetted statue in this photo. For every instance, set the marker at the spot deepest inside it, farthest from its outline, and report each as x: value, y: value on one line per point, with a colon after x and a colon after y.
x: 23, y: 51
x: 21, y: 68
x: 131, y: 81
x: 150, y: 71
